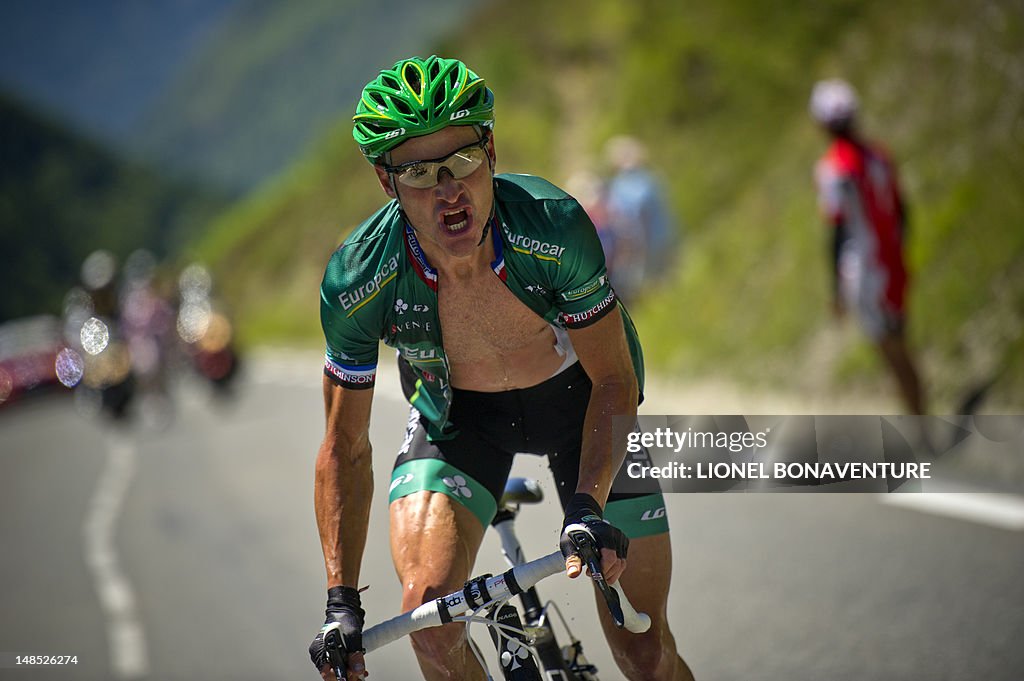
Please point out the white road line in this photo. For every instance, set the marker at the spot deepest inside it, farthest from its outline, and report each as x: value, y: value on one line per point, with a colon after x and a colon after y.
x: 1005, y: 511
x: 128, y: 657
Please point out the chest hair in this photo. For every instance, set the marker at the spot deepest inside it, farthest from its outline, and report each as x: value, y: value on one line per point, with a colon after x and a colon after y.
x: 481, y: 317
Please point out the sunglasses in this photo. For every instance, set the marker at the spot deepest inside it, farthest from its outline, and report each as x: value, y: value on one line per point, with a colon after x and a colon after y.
x: 460, y: 163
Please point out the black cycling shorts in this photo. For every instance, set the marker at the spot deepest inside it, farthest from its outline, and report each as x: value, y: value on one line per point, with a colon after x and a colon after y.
x: 547, y: 420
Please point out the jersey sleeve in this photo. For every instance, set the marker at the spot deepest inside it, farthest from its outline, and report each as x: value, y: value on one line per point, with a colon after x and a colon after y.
x: 582, y: 292
x: 352, y: 337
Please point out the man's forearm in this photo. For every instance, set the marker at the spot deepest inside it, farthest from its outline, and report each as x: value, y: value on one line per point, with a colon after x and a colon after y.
x: 343, y: 489
x: 601, y: 454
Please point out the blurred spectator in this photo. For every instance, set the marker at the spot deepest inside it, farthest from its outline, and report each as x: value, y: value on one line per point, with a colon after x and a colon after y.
x: 643, y: 241
x: 590, y: 191
x: 860, y: 199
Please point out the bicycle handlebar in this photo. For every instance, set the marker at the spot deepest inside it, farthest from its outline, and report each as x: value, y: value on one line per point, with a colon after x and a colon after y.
x: 481, y: 591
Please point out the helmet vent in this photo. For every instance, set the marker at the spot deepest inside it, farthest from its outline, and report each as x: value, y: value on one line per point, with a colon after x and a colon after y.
x: 418, y: 97
x: 402, y: 107
x: 412, y: 77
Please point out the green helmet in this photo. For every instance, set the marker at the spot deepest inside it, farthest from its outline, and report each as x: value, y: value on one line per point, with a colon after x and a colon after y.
x: 418, y: 97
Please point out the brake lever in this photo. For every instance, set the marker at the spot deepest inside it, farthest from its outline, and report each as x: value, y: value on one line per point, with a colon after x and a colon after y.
x: 587, y: 550
x: 332, y: 645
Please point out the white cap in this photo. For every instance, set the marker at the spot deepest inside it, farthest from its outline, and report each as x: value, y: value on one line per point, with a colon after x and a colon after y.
x: 833, y: 101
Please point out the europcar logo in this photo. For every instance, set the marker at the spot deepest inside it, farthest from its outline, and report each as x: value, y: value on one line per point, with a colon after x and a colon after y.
x: 584, y: 291
x: 535, y: 247
x: 349, y: 299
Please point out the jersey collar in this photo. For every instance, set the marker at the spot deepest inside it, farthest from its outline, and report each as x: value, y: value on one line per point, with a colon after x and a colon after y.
x: 429, y: 275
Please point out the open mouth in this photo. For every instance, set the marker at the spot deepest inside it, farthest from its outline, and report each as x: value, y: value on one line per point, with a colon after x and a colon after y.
x: 455, y: 221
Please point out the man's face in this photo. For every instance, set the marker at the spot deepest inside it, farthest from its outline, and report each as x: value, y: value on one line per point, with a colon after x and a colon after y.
x: 449, y: 217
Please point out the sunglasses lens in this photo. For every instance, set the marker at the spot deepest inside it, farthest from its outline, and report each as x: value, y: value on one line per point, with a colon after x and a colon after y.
x: 460, y: 164
x: 420, y: 176
x: 463, y: 163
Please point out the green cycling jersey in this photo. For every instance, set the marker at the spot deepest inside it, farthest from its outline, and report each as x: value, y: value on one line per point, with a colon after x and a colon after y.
x: 379, y: 286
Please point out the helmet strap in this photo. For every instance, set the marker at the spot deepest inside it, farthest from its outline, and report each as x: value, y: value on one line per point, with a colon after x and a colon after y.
x: 487, y: 229
x: 494, y: 205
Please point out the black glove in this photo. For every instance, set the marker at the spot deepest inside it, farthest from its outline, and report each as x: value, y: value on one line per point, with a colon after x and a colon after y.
x: 584, y: 510
x: 342, y: 633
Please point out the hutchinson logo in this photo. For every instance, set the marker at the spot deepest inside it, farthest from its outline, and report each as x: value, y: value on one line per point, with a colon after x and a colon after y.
x: 591, y: 315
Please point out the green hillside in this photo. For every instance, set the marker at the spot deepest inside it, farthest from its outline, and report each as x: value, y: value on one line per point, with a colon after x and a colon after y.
x: 273, y: 77
x: 719, y: 91
x: 62, y: 196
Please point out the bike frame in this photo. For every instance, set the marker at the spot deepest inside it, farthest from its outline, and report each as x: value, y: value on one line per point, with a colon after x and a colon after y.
x: 537, y: 621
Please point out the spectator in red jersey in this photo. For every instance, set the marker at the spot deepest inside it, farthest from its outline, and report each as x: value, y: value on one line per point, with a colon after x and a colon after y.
x: 860, y: 199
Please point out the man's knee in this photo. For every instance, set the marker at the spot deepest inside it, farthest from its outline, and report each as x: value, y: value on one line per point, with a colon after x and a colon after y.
x: 643, y: 656
x: 439, y: 644
x: 419, y: 587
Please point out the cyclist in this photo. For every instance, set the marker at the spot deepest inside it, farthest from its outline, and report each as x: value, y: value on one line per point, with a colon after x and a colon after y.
x: 860, y: 198
x: 536, y: 356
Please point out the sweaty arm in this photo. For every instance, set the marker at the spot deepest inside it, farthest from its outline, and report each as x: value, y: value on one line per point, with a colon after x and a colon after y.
x: 604, y: 354
x: 343, y: 484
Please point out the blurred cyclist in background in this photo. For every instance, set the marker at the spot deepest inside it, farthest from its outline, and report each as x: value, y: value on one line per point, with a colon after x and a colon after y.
x: 206, y: 330
x: 643, y: 243
x: 147, y: 323
x: 860, y: 199
x: 97, y: 361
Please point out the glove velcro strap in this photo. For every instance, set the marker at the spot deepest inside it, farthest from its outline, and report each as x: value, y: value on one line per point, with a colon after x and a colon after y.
x: 344, y: 595
x: 580, y: 506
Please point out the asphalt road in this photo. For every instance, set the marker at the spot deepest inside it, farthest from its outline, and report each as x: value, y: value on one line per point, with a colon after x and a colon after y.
x: 191, y: 553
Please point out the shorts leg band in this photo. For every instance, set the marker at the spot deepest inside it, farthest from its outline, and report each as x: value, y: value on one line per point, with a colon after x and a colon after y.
x: 436, y: 475
x: 638, y: 516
